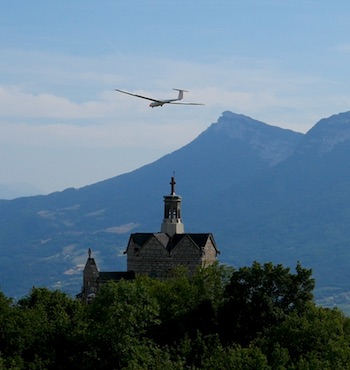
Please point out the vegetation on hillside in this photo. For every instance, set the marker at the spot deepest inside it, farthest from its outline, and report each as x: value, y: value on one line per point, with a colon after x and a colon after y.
x: 261, y: 317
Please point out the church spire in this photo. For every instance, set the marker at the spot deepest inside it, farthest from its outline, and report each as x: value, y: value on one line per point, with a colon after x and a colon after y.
x: 173, y: 183
x: 172, y: 223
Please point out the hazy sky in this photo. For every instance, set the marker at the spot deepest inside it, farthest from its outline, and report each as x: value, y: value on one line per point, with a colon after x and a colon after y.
x: 62, y: 124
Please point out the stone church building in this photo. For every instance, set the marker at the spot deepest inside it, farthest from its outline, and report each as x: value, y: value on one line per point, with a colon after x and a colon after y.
x: 156, y: 254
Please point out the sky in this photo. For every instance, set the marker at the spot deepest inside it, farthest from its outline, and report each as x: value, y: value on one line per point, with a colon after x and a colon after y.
x: 63, y: 125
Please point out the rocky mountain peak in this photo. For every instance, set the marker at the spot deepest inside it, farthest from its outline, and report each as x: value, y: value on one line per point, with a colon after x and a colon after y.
x: 238, y: 126
x: 328, y: 133
x: 274, y: 144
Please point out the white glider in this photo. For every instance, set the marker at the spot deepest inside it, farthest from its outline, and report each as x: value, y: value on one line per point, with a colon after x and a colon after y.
x: 160, y: 103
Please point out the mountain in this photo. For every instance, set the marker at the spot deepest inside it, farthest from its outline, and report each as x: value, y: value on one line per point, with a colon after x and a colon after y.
x: 266, y: 193
x: 299, y: 209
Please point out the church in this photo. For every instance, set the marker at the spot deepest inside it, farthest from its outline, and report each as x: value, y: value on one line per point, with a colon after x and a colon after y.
x: 156, y: 254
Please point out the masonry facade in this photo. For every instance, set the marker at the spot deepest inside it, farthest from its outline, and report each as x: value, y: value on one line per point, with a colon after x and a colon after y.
x: 157, y: 254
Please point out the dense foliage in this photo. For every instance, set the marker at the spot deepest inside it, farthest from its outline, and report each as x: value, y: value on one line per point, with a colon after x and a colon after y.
x: 261, y: 317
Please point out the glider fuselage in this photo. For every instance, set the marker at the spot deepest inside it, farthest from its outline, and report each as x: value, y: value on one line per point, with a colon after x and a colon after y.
x: 160, y: 103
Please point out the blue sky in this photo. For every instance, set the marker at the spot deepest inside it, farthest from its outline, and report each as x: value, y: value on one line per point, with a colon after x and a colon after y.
x: 62, y: 124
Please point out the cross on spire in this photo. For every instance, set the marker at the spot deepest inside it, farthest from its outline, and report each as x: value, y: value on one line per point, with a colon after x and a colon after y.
x: 172, y: 183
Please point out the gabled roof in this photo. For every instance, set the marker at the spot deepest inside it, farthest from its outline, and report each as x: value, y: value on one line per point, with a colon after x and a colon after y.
x: 199, y: 239
x: 170, y: 242
x: 140, y: 238
x: 90, y: 263
x: 163, y: 238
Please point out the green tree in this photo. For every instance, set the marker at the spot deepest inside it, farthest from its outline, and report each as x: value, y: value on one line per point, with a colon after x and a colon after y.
x: 207, y: 353
x: 261, y: 296
x: 189, y: 304
x: 119, y: 318
x: 317, y: 337
x: 37, y: 324
x: 262, y: 317
x: 237, y: 358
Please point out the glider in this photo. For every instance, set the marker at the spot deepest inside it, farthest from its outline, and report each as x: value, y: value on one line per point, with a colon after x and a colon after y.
x: 160, y: 103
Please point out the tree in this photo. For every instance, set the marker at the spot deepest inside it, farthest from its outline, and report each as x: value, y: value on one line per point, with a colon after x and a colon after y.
x: 118, y: 321
x: 318, y: 337
x: 208, y: 353
x: 38, y: 323
x: 189, y: 304
x: 261, y: 296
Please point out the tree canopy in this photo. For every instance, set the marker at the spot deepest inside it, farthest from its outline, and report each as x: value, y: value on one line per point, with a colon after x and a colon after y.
x: 261, y: 317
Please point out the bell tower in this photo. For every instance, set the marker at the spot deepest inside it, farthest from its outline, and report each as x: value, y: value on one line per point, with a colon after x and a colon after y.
x: 172, y: 223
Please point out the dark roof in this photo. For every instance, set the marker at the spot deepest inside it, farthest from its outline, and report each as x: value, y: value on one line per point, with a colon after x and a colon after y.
x: 163, y: 238
x: 199, y: 239
x: 170, y: 242
x: 141, y: 238
x: 91, y: 263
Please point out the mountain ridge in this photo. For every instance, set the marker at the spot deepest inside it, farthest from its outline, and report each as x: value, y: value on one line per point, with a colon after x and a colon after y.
x: 328, y: 133
x: 264, y: 192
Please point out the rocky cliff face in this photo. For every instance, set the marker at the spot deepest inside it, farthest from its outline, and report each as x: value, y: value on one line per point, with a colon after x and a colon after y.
x: 273, y: 144
x: 327, y: 134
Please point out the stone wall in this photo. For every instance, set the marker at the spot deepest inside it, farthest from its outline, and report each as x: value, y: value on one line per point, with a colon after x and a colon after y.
x: 152, y: 259
x: 210, y: 253
x: 187, y: 254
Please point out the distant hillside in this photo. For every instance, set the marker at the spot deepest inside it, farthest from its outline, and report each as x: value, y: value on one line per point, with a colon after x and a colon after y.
x: 267, y: 194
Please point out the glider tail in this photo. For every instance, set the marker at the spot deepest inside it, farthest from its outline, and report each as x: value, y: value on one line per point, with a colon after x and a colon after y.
x: 181, y: 93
